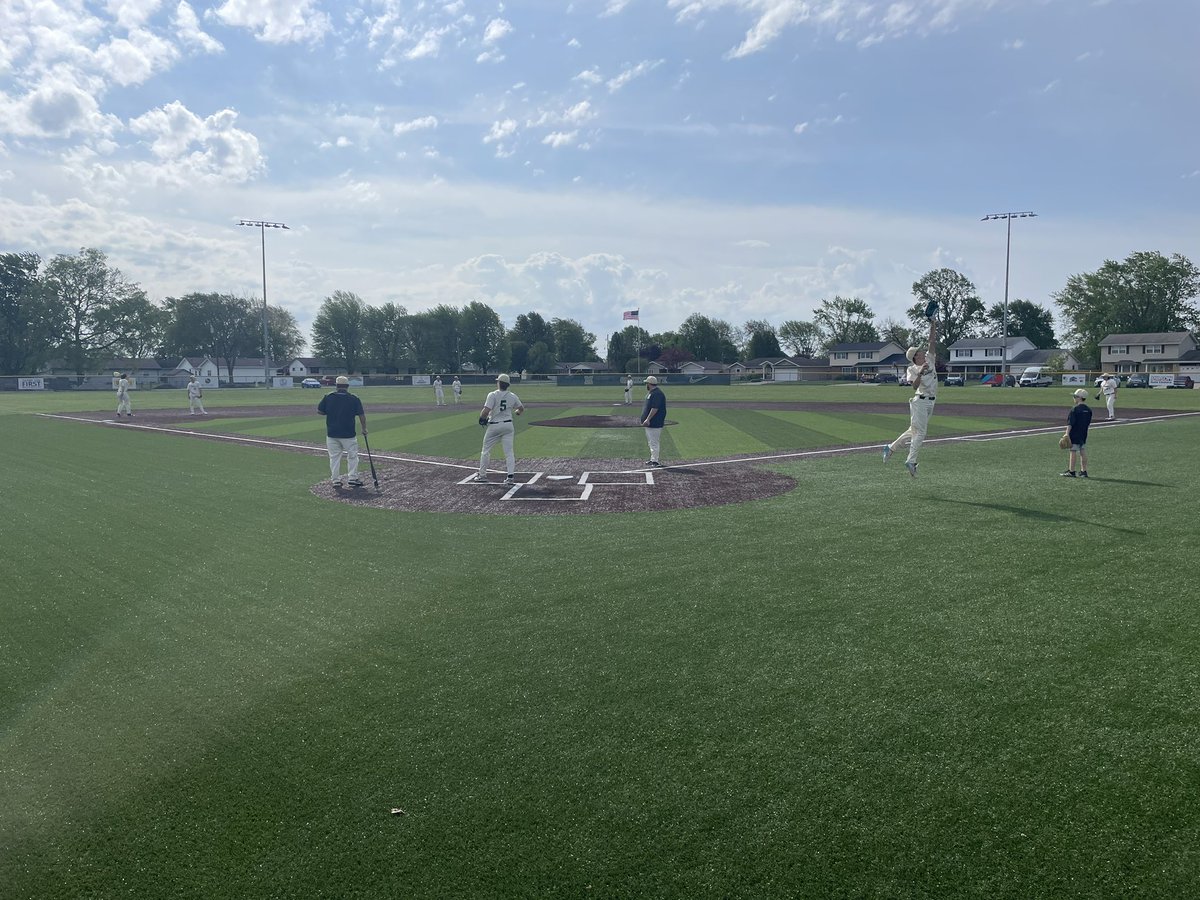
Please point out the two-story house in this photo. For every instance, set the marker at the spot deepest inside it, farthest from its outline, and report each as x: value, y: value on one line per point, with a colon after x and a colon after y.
x: 972, y: 357
x: 1168, y: 351
x: 867, y: 357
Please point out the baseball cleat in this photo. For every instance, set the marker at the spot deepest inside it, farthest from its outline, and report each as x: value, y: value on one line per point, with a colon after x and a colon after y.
x: 510, y: 480
x: 354, y: 482
x: 912, y: 469
x: 480, y: 479
x: 887, y: 452
x: 1066, y: 474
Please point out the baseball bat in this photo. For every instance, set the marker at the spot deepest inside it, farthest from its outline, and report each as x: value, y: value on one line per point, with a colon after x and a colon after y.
x: 371, y: 460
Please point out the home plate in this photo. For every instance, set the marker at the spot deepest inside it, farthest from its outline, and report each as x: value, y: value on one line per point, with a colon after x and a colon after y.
x: 559, y: 477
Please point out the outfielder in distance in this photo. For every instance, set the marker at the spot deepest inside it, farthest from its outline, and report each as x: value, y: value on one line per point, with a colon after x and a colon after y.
x: 497, y: 417
x: 123, y: 405
x: 922, y: 375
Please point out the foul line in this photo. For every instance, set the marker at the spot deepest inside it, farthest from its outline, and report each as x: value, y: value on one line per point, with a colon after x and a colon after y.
x: 978, y: 437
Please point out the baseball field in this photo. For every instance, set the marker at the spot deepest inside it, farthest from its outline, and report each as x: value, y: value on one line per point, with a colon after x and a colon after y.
x: 220, y: 679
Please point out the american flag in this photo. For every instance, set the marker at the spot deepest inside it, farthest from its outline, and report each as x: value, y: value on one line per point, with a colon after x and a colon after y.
x: 630, y: 314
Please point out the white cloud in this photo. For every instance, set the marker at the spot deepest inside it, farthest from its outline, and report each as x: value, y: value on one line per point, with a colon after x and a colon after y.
x: 188, y: 146
x: 187, y: 26
x: 428, y: 45
x: 499, y: 134
x: 276, y: 21
x: 558, y: 139
x: 63, y: 103
x: 801, y: 128
x: 132, y: 13
x: 496, y: 30
x: 589, y: 76
x: 421, y: 124
x: 135, y: 59
x: 1015, y: 44
x: 632, y: 72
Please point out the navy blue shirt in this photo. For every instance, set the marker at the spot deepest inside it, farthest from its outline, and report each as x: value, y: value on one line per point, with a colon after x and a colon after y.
x: 339, y: 409
x: 656, y: 402
x: 1078, y: 420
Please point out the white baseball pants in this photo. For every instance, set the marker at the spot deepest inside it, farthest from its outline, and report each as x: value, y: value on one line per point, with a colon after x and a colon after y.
x: 339, y: 447
x: 123, y: 404
x: 918, y: 423
x: 194, y: 402
x: 654, y: 439
x: 1111, y: 400
x: 498, y: 433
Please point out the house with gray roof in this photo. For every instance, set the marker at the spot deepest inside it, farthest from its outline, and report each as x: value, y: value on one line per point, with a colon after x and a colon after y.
x: 1157, y: 351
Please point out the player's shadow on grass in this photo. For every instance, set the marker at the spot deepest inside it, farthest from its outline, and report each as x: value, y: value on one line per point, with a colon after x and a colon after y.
x: 1128, y: 481
x: 1041, y: 515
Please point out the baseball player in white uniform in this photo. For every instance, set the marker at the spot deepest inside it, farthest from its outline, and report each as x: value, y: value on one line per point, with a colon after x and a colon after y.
x: 438, y: 393
x: 456, y: 386
x: 195, y: 397
x: 498, y: 411
x: 1109, y: 388
x: 123, y: 405
x: 922, y: 375
x: 628, y: 390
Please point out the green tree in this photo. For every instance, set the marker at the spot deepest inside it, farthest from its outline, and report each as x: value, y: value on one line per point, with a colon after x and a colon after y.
x: 284, y: 334
x: 221, y: 326
x: 532, y: 328
x: 801, y: 338
x: 518, y: 352
x: 572, y: 343
x: 541, y: 358
x: 339, y: 332
x: 483, y: 338
x: 960, y: 311
x: 1025, y: 319
x: 616, y: 353
x: 845, y: 320
x: 1147, y: 293
x: 28, y: 321
x: 98, y: 311
x: 727, y: 335
x: 389, y: 336
x: 699, y: 337
x: 899, y: 333
x: 763, y: 344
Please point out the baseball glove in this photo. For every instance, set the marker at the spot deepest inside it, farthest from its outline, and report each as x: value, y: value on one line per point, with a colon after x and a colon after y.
x: 1064, y: 442
x: 931, y: 309
x: 483, y: 420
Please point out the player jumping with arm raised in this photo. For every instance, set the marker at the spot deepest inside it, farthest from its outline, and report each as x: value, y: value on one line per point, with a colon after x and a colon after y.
x: 922, y: 375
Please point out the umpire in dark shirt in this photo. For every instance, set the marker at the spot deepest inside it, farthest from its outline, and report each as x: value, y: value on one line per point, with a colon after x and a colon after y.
x: 654, y: 417
x: 339, y: 409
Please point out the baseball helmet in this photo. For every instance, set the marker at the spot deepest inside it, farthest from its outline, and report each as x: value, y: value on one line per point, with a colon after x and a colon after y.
x: 116, y: 374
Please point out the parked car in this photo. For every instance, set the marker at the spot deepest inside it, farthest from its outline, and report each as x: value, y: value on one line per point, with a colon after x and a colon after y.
x: 1137, y: 380
x: 1183, y: 381
x: 886, y: 378
x: 329, y: 380
x: 310, y: 383
x: 867, y: 377
x: 1036, y: 376
x: 955, y: 381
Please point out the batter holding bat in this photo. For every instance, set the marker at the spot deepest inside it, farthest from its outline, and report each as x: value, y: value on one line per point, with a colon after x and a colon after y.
x: 922, y: 375
x: 497, y: 417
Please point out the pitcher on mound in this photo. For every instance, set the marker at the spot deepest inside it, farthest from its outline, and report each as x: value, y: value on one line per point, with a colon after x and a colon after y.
x: 922, y: 375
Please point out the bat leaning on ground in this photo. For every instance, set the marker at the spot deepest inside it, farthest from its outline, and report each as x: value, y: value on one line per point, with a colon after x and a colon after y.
x: 371, y: 460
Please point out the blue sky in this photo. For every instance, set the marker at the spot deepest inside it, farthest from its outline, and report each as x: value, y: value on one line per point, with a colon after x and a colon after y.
x: 740, y: 158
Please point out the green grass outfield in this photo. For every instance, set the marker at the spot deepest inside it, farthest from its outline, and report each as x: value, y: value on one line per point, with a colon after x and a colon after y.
x: 982, y: 683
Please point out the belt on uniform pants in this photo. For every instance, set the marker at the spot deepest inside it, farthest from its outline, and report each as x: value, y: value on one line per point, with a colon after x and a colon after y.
x: 926, y: 397
x: 502, y: 422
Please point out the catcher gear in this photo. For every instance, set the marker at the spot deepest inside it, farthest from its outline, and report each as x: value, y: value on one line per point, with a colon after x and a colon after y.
x: 483, y: 420
x: 931, y: 309
x: 1064, y: 442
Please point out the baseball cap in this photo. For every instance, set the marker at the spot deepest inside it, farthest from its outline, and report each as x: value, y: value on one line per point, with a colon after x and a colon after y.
x: 342, y: 379
x: 650, y: 379
x: 116, y: 374
x: 1080, y: 394
x: 911, y: 353
x: 503, y: 379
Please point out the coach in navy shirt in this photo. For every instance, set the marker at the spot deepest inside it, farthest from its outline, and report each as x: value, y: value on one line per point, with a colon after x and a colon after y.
x: 339, y: 410
x: 654, y: 417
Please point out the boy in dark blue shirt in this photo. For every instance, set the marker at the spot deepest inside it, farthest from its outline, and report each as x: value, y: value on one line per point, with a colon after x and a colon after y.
x: 654, y: 417
x: 1078, y: 420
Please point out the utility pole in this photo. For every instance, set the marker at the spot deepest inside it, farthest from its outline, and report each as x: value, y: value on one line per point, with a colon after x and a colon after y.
x: 1008, y: 216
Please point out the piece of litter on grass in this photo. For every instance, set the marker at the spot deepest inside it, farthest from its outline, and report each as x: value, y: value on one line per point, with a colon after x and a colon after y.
x: 397, y: 811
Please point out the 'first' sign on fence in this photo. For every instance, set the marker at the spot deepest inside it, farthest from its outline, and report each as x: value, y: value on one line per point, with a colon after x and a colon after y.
x: 31, y: 384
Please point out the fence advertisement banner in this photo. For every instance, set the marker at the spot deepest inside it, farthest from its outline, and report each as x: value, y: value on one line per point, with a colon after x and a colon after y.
x: 31, y: 384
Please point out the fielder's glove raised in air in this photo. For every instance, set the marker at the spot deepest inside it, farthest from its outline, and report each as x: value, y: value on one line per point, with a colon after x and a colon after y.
x: 1097, y: 396
x: 483, y: 420
x: 1064, y: 442
x: 931, y: 309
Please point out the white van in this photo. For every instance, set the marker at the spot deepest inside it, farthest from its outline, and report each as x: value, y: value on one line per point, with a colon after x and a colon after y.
x: 1036, y: 376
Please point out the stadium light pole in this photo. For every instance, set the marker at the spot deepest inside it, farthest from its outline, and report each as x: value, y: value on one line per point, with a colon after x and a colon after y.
x: 262, y: 230
x: 1008, y: 216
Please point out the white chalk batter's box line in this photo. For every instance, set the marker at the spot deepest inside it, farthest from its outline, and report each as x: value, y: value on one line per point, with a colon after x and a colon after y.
x: 514, y: 492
